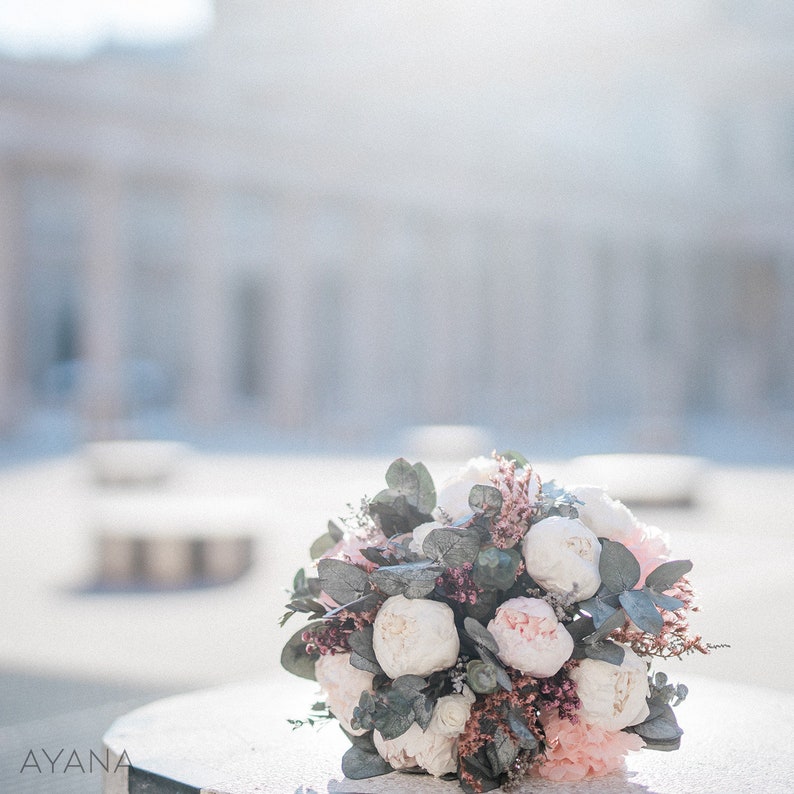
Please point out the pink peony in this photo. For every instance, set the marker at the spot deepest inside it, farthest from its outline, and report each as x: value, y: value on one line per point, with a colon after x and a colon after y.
x: 530, y: 638
x: 649, y: 545
x: 574, y: 752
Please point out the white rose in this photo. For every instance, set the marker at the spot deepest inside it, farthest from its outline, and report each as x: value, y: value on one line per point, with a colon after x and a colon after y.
x: 343, y: 685
x: 415, y: 636
x: 530, y: 638
x: 451, y: 713
x: 419, y: 535
x: 606, y: 517
x: 436, y: 749
x: 562, y: 556
x: 613, y: 696
x: 452, y: 501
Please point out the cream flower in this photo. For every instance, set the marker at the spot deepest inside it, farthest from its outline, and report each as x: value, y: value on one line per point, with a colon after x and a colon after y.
x: 530, y: 638
x: 451, y: 713
x: 606, y: 517
x: 415, y: 636
x: 436, y: 749
x: 452, y: 501
x: 562, y: 556
x: 343, y: 685
x: 613, y: 696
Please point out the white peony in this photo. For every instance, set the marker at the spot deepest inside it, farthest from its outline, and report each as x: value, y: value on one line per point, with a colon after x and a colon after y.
x: 606, y: 517
x: 530, y: 638
x: 415, y: 636
x: 343, y: 685
x: 613, y: 696
x: 452, y: 501
x: 436, y: 749
x: 562, y: 556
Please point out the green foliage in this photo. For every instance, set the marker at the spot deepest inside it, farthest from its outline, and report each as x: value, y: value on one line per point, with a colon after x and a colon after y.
x: 618, y: 567
x: 413, y: 580
x: 556, y: 501
x: 485, y: 499
x: 495, y: 569
x: 342, y: 581
x: 408, y: 500
x: 481, y: 677
x: 452, y: 547
x: 511, y: 454
x: 294, y: 658
x: 359, y: 763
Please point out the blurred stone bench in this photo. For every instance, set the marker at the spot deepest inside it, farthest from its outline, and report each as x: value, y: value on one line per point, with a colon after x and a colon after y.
x: 133, y: 463
x: 648, y: 479
x: 236, y: 740
x: 174, y: 540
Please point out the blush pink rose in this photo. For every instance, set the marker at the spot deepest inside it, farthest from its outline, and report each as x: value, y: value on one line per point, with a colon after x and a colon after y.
x: 530, y: 638
x: 574, y: 752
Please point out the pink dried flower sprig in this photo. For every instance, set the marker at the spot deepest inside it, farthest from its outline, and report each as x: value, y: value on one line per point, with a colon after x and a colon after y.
x: 519, y: 501
x: 457, y: 584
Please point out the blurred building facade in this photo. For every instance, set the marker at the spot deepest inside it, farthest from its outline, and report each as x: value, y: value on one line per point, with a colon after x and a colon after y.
x: 348, y: 215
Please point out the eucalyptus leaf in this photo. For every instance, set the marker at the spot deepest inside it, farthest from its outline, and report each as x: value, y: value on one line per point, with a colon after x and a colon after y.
x: 342, y: 581
x: 362, y: 663
x: 580, y: 628
x: 413, y: 580
x: 642, y: 611
x: 495, y: 569
x: 618, y: 567
x: 662, y: 726
x: 335, y: 532
x: 599, y: 608
x: 358, y: 764
x: 518, y: 724
x: 485, y: 499
x: 427, y: 490
x: 480, y: 634
x: 402, y: 477
x: 667, y: 574
x: 294, y: 658
x: 501, y: 751
x: 452, y: 547
x: 664, y: 601
x: 360, y: 641
x: 502, y: 678
x: 362, y: 604
x: 394, y: 714
x: 606, y: 651
x: 615, y: 621
x: 320, y: 546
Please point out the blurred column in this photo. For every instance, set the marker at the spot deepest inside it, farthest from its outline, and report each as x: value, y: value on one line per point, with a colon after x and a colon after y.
x: 208, y: 386
x: 10, y: 338
x: 102, y: 317
x: 366, y: 369
x: 291, y: 403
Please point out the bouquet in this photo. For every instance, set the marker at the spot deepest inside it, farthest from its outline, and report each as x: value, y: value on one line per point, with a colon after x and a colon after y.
x: 499, y: 628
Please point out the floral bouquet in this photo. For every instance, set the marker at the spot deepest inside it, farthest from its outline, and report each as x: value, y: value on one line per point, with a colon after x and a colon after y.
x: 499, y: 628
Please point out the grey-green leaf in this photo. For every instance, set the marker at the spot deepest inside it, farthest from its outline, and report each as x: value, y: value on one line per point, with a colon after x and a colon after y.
x: 342, y: 581
x: 618, y: 567
x: 486, y: 499
x: 362, y: 663
x: 335, y: 532
x: 607, y: 651
x: 413, y: 580
x: 480, y: 634
x: 323, y: 544
x: 427, y: 489
x: 358, y: 764
x: 598, y: 608
x: 667, y: 574
x: 518, y: 724
x: 511, y: 454
x: 402, y: 477
x: 452, y: 547
x: 394, y: 714
x: 664, y: 601
x: 294, y: 658
x: 642, y: 611
x: 501, y: 751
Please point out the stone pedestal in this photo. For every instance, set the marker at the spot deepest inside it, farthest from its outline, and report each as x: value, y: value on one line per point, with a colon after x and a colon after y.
x: 236, y: 740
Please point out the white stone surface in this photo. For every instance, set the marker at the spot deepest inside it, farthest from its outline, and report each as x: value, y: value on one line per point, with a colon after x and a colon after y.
x: 236, y: 740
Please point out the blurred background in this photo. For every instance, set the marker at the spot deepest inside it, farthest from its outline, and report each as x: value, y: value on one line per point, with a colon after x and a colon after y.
x: 295, y: 237
x: 322, y: 223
